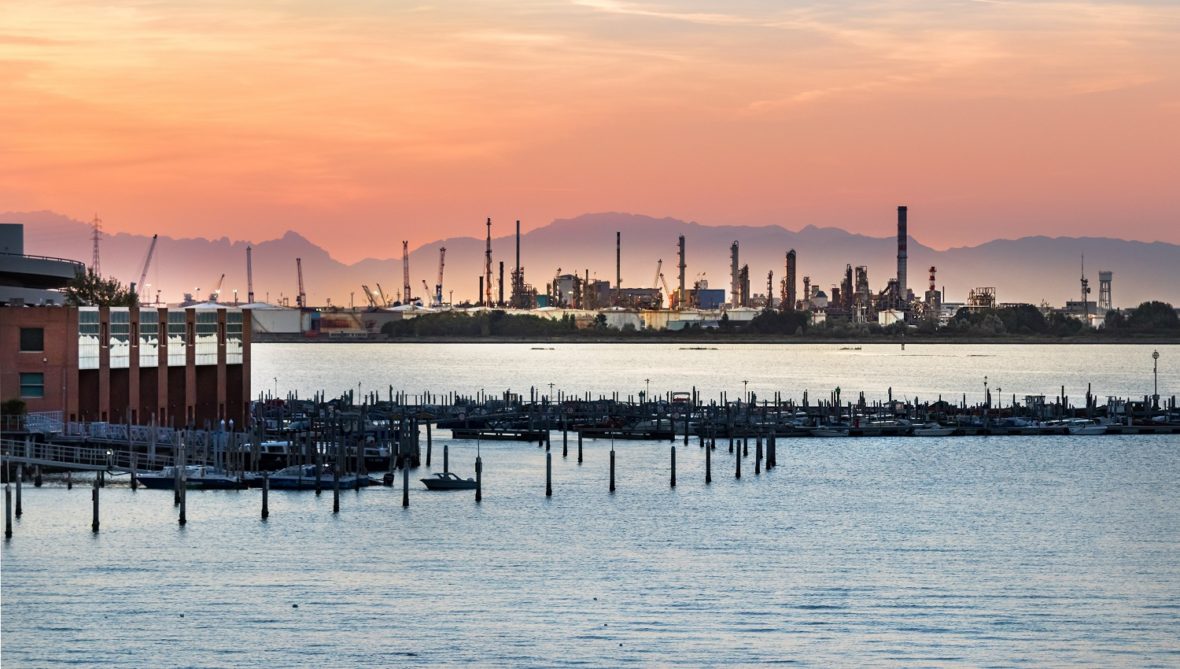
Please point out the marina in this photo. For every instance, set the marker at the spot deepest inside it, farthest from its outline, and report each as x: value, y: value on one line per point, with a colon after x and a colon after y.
x: 748, y: 525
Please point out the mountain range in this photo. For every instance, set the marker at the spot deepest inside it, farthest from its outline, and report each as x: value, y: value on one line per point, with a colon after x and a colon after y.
x: 1029, y: 269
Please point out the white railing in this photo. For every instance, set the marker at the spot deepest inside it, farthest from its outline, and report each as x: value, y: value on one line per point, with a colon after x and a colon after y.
x: 45, y: 422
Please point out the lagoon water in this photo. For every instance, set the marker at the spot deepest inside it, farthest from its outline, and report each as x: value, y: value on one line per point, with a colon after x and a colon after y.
x: 923, y: 370
x: 964, y: 551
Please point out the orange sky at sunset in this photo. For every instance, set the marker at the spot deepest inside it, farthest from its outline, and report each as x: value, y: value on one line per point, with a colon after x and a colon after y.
x: 359, y: 124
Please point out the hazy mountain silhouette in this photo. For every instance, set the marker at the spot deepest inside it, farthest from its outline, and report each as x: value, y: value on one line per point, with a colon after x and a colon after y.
x: 1029, y: 269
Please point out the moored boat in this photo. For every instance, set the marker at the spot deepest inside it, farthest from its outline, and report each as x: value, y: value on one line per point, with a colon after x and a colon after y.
x: 303, y: 477
x: 448, y: 481
x: 933, y: 430
x: 196, y: 477
x: 1086, y: 427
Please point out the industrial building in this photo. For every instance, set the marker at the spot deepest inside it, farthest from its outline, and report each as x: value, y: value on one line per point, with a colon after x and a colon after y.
x: 180, y: 366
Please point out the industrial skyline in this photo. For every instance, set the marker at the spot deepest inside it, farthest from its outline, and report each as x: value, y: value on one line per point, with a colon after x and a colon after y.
x: 818, y: 259
x: 995, y: 119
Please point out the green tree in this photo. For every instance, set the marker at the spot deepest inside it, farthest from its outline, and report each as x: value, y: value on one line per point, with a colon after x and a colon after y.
x: 779, y: 322
x: 90, y: 290
x: 1153, y: 315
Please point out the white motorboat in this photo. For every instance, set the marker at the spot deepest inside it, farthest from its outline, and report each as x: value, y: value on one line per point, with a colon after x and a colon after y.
x: 832, y: 431
x: 1084, y: 427
x: 933, y: 430
x: 303, y: 477
x: 448, y: 481
x: 197, y: 477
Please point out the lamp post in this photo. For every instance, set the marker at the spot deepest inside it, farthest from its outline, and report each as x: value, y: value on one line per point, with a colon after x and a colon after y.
x: 1155, y: 374
x: 745, y: 392
x: 986, y: 403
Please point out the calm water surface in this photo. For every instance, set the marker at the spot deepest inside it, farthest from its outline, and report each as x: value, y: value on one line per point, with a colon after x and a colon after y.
x: 966, y: 551
x: 922, y: 370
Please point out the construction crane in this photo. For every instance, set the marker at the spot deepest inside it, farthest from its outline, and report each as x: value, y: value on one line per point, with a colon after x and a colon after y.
x: 138, y: 287
x: 381, y: 296
x: 406, y: 272
x: 442, y: 254
x: 666, y: 289
x: 217, y: 291
x: 369, y: 296
x: 425, y: 287
x: 655, y: 283
x: 301, y: 298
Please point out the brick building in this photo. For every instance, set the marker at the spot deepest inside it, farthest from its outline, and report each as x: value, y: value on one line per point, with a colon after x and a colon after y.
x: 182, y: 366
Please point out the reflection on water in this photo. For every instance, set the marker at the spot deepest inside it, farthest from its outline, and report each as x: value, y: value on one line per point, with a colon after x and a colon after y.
x: 970, y: 551
x: 926, y: 371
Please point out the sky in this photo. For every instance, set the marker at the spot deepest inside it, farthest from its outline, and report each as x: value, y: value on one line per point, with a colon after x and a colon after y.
x: 360, y: 123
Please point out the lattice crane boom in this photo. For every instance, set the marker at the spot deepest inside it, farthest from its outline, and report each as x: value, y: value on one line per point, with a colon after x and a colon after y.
x: 146, y: 263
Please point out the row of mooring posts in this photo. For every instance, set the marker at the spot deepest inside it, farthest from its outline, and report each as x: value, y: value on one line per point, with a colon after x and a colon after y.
x: 739, y: 446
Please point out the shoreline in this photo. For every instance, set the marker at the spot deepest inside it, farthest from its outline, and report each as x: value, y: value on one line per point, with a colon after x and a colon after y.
x: 1153, y: 340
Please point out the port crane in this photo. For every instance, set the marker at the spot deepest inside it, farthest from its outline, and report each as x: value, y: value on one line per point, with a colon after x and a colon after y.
x: 666, y: 289
x: 217, y: 291
x: 369, y: 296
x: 301, y: 298
x: 438, y: 287
x: 381, y: 296
x: 425, y: 287
x: 138, y: 287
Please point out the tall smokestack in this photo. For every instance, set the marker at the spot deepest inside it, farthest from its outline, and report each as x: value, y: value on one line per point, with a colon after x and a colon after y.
x: 735, y: 287
x: 516, y: 277
x: 680, y: 298
x: 790, y: 281
x: 249, y: 275
x: 486, y: 291
x: 618, y: 267
x: 902, y: 291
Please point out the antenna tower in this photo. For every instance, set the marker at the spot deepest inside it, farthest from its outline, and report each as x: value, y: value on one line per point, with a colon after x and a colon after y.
x: 95, y: 236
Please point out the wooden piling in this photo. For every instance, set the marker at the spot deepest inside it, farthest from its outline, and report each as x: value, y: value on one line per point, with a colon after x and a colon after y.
x: 69, y: 480
x: 20, y: 474
x: 94, y: 504
x: 336, y: 489
x: 319, y: 468
x: 758, y: 457
x: 37, y: 477
x: 429, y: 443
x: 565, y: 440
x: 134, y: 478
x: 612, y: 469
x: 548, y: 474
x: 265, y: 497
x: 673, y: 466
x: 405, y: 487
x: 478, y: 479
x: 446, y: 458
x: 7, y: 511
x: 708, y: 466
x: 579, y: 448
x: 183, y: 501
x: 737, y: 472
